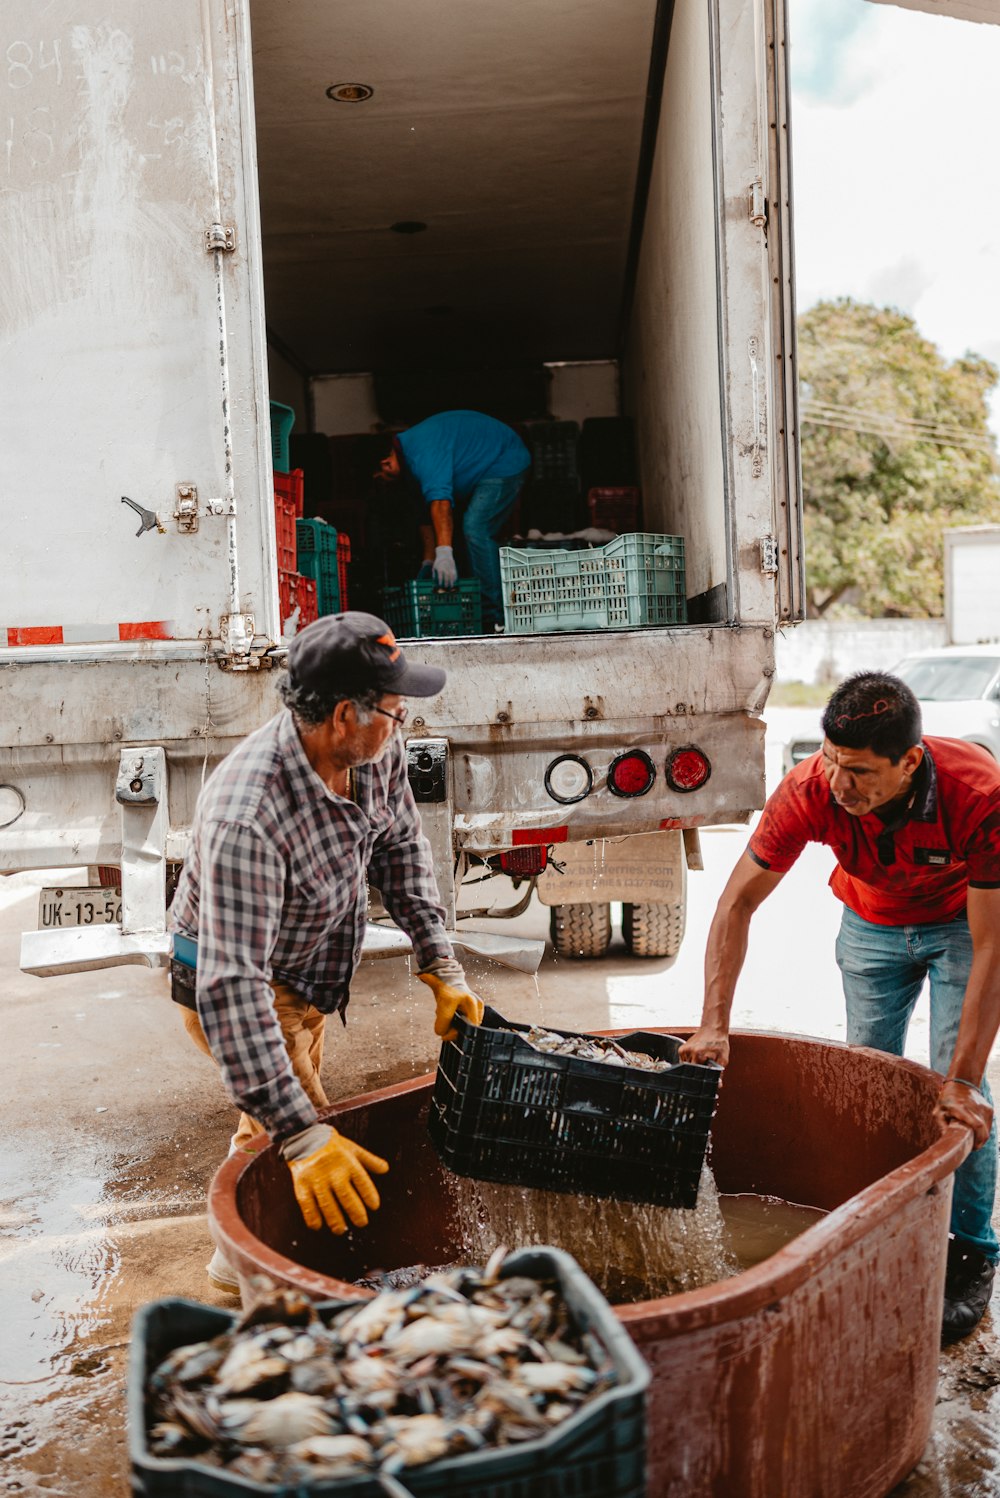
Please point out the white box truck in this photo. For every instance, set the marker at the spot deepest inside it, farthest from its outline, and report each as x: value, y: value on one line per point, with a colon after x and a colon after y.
x: 196, y: 191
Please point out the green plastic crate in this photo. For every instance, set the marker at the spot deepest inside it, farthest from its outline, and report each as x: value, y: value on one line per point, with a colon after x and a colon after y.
x: 635, y: 580
x: 419, y: 610
x: 316, y: 543
x: 282, y: 421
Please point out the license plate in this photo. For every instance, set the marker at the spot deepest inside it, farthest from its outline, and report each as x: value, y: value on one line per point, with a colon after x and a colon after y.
x: 82, y: 905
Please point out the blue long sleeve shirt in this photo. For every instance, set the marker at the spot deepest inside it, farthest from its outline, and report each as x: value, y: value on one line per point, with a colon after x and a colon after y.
x: 448, y: 454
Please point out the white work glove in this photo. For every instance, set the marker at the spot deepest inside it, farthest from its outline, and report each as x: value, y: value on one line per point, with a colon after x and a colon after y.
x: 445, y: 572
x: 452, y: 995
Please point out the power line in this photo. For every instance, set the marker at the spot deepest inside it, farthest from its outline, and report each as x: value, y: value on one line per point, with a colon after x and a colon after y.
x: 905, y: 428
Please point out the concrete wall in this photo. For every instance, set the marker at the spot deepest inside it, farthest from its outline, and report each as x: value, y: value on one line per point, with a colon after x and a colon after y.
x: 824, y: 651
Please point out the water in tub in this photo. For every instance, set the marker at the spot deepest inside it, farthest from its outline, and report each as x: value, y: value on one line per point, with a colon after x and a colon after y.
x: 633, y: 1251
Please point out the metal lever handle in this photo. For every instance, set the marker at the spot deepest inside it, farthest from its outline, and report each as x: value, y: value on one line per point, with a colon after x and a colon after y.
x: 148, y: 517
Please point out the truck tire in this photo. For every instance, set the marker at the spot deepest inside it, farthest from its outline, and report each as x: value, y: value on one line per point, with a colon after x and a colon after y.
x: 653, y: 930
x: 582, y: 930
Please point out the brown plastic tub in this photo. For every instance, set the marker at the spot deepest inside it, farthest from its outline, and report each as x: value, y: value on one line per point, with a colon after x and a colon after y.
x: 812, y: 1375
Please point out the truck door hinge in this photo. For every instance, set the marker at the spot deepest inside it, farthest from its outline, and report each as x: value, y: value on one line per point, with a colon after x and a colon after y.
x: 220, y: 237
x: 768, y: 554
x: 757, y: 203
x: 236, y: 631
x: 239, y: 653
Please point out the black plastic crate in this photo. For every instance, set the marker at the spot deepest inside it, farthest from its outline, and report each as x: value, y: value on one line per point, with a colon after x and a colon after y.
x: 597, y: 1451
x: 553, y: 446
x: 503, y: 1111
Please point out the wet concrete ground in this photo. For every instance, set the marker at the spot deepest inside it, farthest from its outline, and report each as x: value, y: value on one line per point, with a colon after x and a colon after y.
x: 113, y: 1125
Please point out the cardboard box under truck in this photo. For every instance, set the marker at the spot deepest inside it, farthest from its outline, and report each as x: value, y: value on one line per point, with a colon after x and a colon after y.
x: 550, y: 211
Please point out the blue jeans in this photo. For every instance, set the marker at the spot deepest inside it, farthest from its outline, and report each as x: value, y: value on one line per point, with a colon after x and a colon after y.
x: 883, y: 970
x: 490, y: 503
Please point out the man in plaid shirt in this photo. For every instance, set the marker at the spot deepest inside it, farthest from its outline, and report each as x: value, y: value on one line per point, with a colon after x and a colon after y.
x: 269, y: 914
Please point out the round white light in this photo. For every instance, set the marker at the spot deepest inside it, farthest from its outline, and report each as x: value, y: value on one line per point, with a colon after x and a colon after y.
x: 568, y: 779
x: 11, y: 805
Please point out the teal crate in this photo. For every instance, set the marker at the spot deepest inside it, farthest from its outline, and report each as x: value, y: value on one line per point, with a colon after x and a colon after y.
x: 282, y: 421
x: 316, y: 544
x: 635, y: 580
x: 421, y: 609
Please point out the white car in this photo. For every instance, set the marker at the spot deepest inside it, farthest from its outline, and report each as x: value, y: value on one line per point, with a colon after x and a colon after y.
x: 958, y: 688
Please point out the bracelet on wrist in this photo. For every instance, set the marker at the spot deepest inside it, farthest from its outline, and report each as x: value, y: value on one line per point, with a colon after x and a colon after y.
x: 965, y: 1083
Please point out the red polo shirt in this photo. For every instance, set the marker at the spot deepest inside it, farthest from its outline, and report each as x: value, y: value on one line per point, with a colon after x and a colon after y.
x: 951, y: 839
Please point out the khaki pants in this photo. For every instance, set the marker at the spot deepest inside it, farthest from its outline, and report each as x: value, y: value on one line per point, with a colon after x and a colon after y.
x: 302, y: 1026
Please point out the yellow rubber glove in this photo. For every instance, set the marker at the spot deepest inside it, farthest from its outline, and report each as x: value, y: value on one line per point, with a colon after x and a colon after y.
x: 330, y: 1177
x: 452, y: 995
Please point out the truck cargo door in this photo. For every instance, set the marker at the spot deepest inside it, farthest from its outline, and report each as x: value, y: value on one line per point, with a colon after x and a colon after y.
x: 136, y: 470
x: 777, y: 203
x: 757, y: 306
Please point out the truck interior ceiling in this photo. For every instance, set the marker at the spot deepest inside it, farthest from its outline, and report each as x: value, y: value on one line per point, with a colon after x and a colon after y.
x: 508, y: 208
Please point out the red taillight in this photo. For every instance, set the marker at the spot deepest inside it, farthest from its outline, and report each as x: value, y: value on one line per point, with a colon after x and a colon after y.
x: 631, y: 774
x: 687, y: 769
x: 524, y: 862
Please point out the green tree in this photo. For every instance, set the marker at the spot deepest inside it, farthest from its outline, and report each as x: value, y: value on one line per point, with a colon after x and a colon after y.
x: 896, y: 448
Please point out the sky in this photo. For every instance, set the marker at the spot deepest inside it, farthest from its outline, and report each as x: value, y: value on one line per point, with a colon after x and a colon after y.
x: 895, y: 133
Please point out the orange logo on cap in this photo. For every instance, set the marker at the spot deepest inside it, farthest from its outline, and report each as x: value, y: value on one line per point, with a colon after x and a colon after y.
x: 389, y: 641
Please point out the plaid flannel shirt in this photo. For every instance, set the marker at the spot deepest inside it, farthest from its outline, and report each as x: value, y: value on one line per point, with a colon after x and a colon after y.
x: 273, y: 888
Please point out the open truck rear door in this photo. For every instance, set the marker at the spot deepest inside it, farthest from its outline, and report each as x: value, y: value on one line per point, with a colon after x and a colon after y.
x: 138, y: 518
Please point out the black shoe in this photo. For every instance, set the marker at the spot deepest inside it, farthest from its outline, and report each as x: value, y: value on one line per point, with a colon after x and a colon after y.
x: 968, y: 1284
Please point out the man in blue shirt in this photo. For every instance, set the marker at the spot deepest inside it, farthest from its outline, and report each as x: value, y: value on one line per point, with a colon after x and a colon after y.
x: 456, y: 457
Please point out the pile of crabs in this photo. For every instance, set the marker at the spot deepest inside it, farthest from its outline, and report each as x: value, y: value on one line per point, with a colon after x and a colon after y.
x: 463, y: 1360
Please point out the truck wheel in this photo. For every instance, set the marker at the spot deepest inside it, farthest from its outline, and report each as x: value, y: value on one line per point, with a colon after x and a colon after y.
x: 582, y: 930
x: 653, y: 930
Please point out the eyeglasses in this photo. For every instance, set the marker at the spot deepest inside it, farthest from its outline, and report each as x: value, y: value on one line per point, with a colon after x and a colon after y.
x: 399, y: 717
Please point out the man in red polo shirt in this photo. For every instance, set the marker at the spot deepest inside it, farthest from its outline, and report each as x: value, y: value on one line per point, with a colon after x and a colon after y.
x: 915, y: 826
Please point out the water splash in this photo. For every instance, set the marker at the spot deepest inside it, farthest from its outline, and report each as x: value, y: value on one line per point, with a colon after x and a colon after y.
x: 631, y: 1250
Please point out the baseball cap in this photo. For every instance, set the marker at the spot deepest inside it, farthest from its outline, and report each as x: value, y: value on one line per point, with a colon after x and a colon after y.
x: 356, y: 652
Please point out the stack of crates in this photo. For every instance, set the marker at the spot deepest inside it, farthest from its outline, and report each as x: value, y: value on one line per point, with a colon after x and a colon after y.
x: 551, y: 498
x: 553, y: 446
x: 343, y: 562
x: 282, y: 421
x: 323, y: 555
x: 294, y: 590
x: 634, y: 581
x: 419, y: 610
x: 297, y: 592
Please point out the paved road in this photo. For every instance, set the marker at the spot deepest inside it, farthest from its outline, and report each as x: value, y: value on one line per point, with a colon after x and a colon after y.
x: 113, y: 1127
